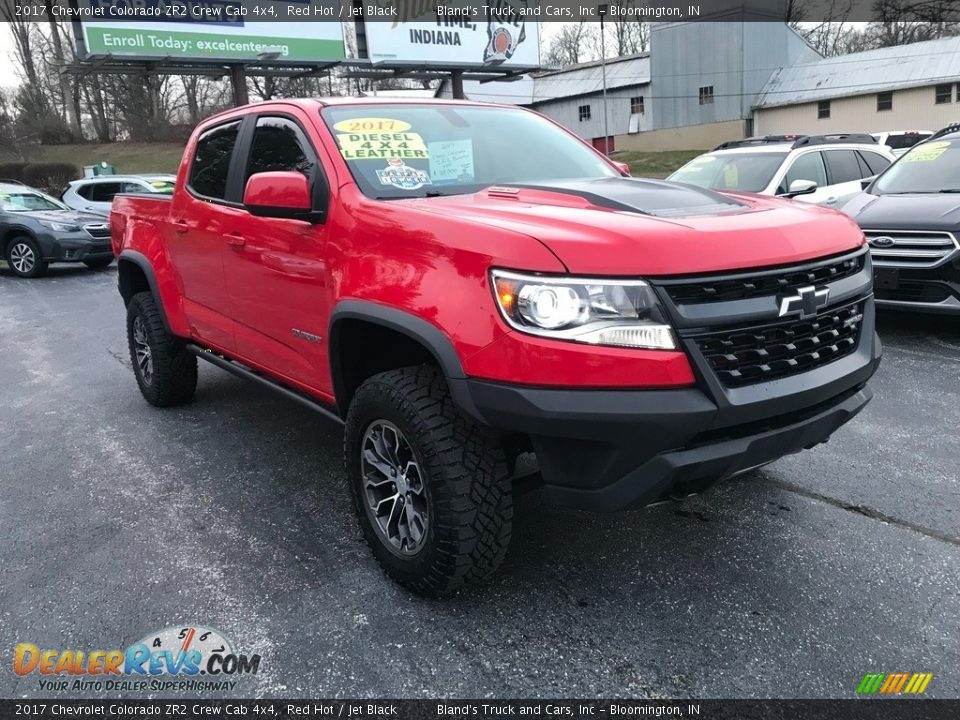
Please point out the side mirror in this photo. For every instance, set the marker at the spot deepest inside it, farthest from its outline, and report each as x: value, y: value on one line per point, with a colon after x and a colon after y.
x: 278, y: 194
x: 865, y: 182
x: 800, y: 187
x: 622, y: 167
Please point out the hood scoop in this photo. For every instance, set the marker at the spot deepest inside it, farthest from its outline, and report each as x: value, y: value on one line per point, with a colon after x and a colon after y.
x: 658, y: 198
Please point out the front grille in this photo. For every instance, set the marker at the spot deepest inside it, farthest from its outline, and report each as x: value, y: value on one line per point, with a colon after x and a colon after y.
x: 748, y: 355
x: 97, y: 231
x: 758, y: 284
x: 910, y: 248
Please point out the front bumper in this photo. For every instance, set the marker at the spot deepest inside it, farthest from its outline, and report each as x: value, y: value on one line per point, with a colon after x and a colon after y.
x: 73, y: 247
x: 932, y: 290
x: 612, y: 450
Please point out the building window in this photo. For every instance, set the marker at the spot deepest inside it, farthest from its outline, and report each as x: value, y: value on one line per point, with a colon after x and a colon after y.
x: 944, y: 94
x: 584, y: 112
x: 884, y: 101
x: 636, y: 105
x: 706, y: 95
x: 823, y: 109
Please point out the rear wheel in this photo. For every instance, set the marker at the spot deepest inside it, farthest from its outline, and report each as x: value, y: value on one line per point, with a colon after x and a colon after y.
x: 166, y: 372
x: 430, y: 487
x: 98, y: 264
x: 24, y: 257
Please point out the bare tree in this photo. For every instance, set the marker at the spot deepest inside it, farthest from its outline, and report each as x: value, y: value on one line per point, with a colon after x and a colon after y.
x: 569, y: 45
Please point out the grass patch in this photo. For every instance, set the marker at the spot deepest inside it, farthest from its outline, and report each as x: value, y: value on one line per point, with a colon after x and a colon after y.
x: 654, y: 164
x: 127, y: 157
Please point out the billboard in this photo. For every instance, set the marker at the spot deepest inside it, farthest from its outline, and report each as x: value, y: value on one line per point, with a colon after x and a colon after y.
x: 455, y: 33
x: 213, y: 30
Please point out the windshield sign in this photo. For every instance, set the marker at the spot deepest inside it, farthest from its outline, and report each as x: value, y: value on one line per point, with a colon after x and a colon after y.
x: 751, y: 172
x: 25, y: 201
x: 419, y: 151
x: 929, y: 167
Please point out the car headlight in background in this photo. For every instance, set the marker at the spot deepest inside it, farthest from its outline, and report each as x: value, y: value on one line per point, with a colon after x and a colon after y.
x: 60, y: 227
x: 622, y: 313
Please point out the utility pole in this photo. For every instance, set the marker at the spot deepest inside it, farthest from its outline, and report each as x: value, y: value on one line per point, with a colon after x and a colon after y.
x: 602, y: 11
x: 238, y: 79
x: 456, y: 85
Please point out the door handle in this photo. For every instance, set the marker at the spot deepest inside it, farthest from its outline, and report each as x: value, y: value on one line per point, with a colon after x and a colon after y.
x: 830, y: 200
x: 180, y: 226
x: 236, y: 240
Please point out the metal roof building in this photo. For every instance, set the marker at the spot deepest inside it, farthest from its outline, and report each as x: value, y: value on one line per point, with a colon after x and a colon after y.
x: 573, y: 96
x: 907, y: 87
x: 892, y: 68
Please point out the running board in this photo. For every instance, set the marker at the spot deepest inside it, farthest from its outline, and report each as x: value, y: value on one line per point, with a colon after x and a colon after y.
x: 243, y: 371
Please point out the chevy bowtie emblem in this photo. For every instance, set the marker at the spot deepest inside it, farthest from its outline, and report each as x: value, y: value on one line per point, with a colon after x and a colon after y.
x: 805, y: 302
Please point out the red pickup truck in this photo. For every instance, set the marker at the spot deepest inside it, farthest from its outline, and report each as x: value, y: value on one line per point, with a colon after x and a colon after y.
x: 460, y: 284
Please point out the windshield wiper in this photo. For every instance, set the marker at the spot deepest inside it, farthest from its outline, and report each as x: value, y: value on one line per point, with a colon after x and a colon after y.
x: 949, y: 190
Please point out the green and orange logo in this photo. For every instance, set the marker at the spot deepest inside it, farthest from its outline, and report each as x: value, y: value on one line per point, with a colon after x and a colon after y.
x: 894, y: 683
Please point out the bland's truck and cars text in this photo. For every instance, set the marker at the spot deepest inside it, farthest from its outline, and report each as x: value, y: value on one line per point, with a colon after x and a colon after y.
x: 461, y: 284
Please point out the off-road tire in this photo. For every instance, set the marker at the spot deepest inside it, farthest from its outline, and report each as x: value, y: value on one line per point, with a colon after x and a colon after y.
x: 38, y: 267
x: 470, y: 505
x: 98, y: 264
x: 174, y: 370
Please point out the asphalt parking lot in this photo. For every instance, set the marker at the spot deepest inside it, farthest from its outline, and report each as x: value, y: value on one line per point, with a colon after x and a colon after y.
x: 119, y: 519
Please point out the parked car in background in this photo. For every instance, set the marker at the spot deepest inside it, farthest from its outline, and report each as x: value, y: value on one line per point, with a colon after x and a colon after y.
x: 161, y: 182
x: 911, y: 217
x: 36, y: 230
x: 899, y: 141
x: 95, y: 194
x: 823, y: 169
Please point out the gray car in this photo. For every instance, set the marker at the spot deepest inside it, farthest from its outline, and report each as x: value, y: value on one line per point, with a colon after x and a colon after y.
x: 36, y: 230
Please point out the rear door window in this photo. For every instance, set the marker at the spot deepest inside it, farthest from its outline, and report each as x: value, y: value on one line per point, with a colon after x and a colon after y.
x: 211, y: 160
x: 843, y: 166
x: 104, y: 191
x: 876, y: 162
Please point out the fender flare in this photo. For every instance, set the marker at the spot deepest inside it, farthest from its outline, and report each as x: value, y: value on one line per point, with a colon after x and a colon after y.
x: 416, y: 328
x: 141, y: 261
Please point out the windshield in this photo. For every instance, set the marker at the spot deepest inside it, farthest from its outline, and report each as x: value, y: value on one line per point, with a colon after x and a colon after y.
x: 27, y: 200
x: 751, y: 172
x: 907, y: 140
x: 926, y: 168
x: 396, y: 151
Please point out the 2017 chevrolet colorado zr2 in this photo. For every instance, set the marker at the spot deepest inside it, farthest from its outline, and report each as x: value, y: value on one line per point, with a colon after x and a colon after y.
x: 460, y: 283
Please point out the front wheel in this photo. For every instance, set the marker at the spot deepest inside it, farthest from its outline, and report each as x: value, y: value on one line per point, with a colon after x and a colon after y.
x: 24, y: 257
x: 165, y: 370
x: 430, y: 487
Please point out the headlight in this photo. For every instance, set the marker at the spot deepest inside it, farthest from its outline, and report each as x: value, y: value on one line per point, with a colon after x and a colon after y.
x: 623, y: 313
x: 60, y: 227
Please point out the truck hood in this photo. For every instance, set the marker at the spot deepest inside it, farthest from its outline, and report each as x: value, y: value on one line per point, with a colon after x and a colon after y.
x: 921, y: 211
x: 628, y: 226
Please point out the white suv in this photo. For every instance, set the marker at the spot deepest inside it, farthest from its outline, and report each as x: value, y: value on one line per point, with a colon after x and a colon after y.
x: 899, y: 141
x: 823, y: 169
x: 95, y: 194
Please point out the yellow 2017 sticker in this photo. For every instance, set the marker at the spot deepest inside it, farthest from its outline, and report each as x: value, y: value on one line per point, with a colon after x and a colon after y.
x: 365, y: 125
x: 926, y: 152
x: 382, y: 146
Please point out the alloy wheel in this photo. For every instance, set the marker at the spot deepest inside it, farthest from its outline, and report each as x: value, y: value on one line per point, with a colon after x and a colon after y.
x: 23, y: 258
x: 142, y: 350
x: 393, y: 486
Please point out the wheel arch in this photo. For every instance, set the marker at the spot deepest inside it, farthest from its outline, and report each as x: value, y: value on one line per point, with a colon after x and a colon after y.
x: 354, y: 324
x: 135, y: 275
x: 14, y: 232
